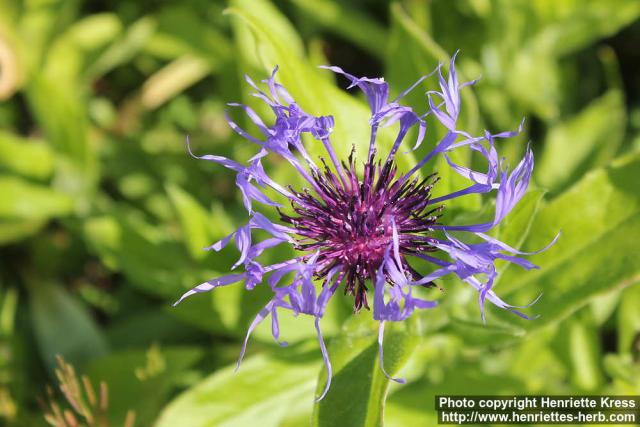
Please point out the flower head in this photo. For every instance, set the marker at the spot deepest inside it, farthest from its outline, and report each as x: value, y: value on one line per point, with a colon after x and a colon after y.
x: 357, y: 228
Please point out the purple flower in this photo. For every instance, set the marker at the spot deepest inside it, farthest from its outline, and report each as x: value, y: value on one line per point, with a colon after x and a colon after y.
x: 360, y: 227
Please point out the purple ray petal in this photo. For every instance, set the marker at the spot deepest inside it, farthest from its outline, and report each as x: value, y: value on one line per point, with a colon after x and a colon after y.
x: 381, y: 355
x: 325, y: 358
x: 211, y: 284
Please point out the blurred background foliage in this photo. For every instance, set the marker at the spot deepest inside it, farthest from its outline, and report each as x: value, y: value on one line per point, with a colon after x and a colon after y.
x: 103, y: 215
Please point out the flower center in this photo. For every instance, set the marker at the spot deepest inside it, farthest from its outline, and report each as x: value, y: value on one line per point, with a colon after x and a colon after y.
x: 350, y: 222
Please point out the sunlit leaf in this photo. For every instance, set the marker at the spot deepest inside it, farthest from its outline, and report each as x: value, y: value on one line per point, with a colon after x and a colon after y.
x: 27, y: 157
x: 265, y: 388
x: 587, y: 140
x: 194, y: 220
x: 24, y: 200
x: 600, y: 222
x: 359, y: 388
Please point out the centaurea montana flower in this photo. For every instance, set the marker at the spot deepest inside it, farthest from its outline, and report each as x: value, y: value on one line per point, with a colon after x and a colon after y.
x: 354, y: 229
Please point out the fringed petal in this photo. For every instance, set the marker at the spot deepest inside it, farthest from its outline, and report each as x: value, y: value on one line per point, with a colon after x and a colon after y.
x: 381, y: 355
x: 211, y: 284
x: 325, y: 358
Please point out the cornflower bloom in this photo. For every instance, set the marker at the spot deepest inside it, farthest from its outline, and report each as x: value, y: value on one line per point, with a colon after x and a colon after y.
x: 357, y: 228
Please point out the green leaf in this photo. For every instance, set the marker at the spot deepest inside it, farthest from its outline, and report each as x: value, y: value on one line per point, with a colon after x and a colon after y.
x: 62, y: 326
x: 414, y: 404
x: 266, y: 388
x: 27, y: 157
x: 194, y: 221
x: 533, y: 80
x: 349, y: 22
x: 600, y: 222
x: 569, y: 26
x: 476, y: 333
x: 24, y: 200
x: 587, y: 140
x: 359, y: 388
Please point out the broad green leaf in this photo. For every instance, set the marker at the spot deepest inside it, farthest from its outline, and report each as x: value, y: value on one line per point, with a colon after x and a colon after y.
x: 275, y: 45
x: 62, y: 326
x: 24, y: 200
x: 533, y: 80
x: 266, y: 388
x: 587, y: 140
x: 493, y: 334
x: 359, y: 388
x: 414, y: 404
x: 27, y: 157
x: 349, y: 22
x: 151, y: 373
x: 600, y: 222
x: 194, y: 221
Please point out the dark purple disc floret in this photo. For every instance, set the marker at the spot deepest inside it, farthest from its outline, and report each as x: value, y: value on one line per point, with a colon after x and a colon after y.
x: 350, y: 222
x: 359, y: 228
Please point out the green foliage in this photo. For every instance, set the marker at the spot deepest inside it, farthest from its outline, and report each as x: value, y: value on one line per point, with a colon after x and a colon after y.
x: 279, y: 389
x: 104, y: 216
x: 354, y: 354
